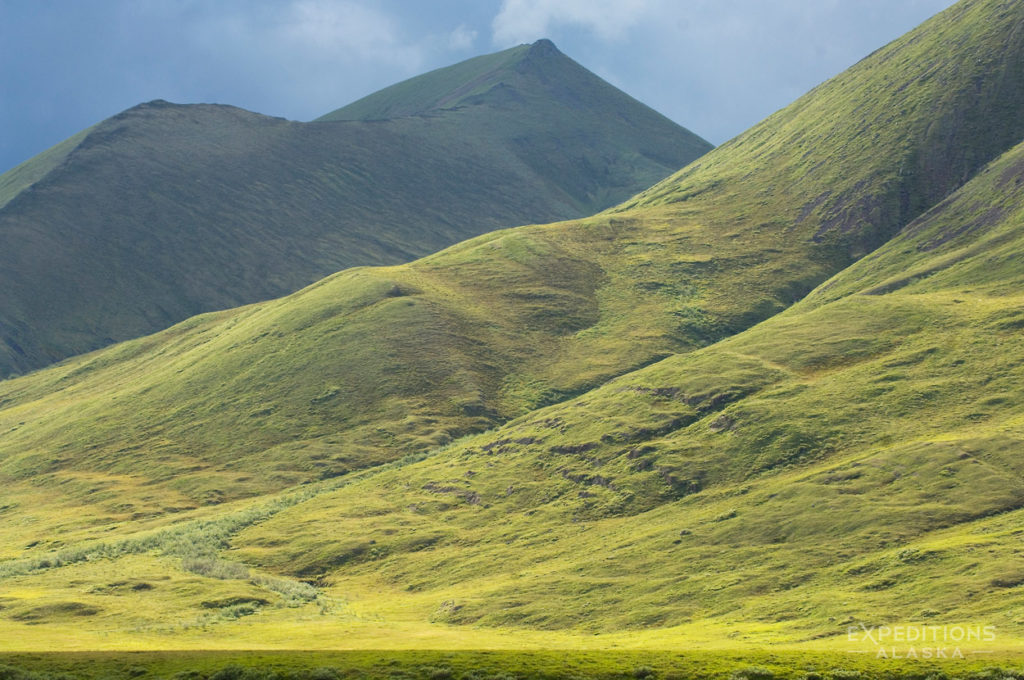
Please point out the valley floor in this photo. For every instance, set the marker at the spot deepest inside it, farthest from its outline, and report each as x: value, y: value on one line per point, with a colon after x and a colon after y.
x: 368, y: 615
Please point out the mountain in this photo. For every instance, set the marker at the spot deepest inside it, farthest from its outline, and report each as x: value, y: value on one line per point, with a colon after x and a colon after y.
x: 773, y: 396
x: 523, y: 74
x: 853, y: 460
x: 165, y: 211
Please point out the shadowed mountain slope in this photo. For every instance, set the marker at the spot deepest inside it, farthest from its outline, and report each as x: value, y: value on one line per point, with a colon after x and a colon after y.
x: 537, y: 70
x: 166, y: 211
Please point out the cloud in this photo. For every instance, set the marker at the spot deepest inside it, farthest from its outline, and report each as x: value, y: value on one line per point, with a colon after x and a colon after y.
x: 305, y: 30
x: 299, y: 58
x: 336, y: 28
x: 462, y: 38
x: 527, y: 20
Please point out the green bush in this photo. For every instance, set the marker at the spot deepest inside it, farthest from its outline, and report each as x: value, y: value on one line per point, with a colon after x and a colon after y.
x: 238, y: 611
x: 290, y: 590
x: 753, y: 673
x: 843, y: 674
x: 214, y: 568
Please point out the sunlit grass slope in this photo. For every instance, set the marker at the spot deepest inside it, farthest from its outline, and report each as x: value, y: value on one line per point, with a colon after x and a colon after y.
x: 166, y: 211
x: 851, y: 460
x: 370, y: 364
x: 848, y: 462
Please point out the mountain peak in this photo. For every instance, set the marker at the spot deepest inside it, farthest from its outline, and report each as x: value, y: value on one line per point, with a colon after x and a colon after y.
x: 544, y: 46
x: 542, y: 56
x: 519, y: 73
x: 525, y: 135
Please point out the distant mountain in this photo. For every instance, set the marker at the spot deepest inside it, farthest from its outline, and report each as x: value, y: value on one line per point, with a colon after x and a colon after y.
x: 505, y: 78
x: 165, y: 211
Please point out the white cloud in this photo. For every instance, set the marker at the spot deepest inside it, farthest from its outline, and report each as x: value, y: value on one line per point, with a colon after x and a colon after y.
x: 527, y: 20
x: 462, y: 38
x: 307, y: 32
x: 302, y: 58
x: 336, y: 28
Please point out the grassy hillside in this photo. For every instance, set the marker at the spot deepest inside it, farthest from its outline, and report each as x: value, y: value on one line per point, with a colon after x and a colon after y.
x: 25, y: 175
x: 850, y: 461
x: 370, y: 364
x: 166, y: 211
x: 672, y: 459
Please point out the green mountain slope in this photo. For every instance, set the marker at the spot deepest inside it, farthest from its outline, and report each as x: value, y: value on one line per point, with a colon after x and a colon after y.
x: 25, y: 175
x: 165, y: 211
x: 852, y: 460
x: 670, y: 451
x: 489, y: 76
x: 370, y: 364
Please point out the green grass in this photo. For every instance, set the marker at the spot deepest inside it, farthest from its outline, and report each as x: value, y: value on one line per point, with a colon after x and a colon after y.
x: 435, y: 665
x: 165, y: 211
x: 845, y: 462
x: 687, y: 422
x: 371, y: 364
x: 852, y: 461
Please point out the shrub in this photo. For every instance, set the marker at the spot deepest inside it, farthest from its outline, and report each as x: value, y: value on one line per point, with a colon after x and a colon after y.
x: 994, y: 673
x: 324, y: 673
x: 238, y: 611
x: 214, y: 568
x: 753, y: 673
x: 244, y: 673
x: 189, y: 675
x: 843, y: 674
x: 290, y: 590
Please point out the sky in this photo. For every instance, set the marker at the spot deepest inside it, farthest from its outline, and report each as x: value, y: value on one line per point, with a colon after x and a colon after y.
x: 713, y: 66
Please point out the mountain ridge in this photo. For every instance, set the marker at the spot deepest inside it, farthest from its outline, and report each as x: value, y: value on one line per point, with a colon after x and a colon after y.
x: 254, y: 207
x: 474, y: 80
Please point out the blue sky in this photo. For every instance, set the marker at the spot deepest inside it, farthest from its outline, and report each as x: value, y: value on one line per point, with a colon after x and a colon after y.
x: 714, y: 66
